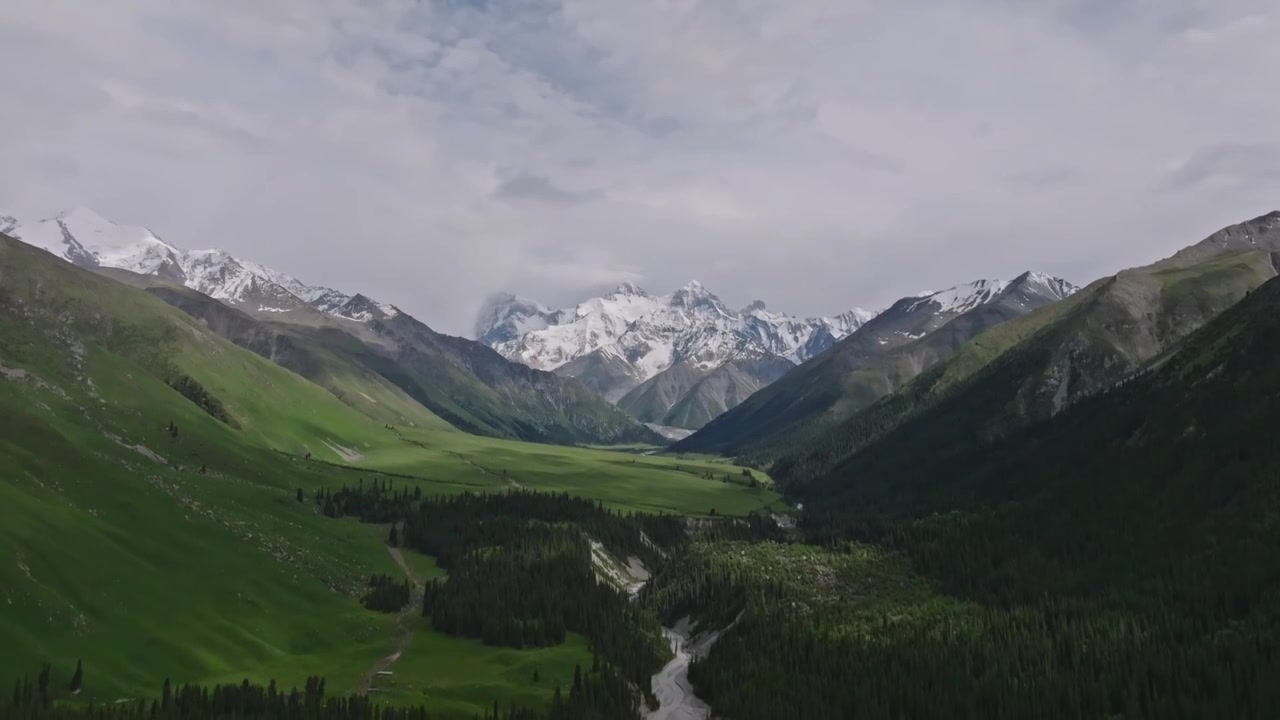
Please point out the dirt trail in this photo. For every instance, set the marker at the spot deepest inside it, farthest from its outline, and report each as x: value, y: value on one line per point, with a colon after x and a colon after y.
x: 512, y: 482
x: 404, y: 629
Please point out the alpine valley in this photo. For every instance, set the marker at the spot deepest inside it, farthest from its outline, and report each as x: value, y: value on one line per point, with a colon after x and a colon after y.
x: 1034, y: 499
x: 257, y: 481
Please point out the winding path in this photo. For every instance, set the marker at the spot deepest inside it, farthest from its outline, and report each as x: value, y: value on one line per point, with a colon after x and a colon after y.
x: 404, y: 629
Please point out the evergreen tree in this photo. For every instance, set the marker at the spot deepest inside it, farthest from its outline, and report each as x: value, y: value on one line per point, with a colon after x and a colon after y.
x: 42, y: 683
x: 77, y: 680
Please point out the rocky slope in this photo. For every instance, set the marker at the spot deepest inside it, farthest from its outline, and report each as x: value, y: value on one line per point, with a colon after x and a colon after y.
x: 354, y: 346
x: 900, y: 343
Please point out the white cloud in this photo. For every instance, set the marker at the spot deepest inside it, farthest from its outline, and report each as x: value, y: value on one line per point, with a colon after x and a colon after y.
x: 818, y: 154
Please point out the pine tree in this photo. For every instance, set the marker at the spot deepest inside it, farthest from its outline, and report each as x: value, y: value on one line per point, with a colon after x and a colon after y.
x: 77, y: 680
x: 301, y: 496
x: 42, y: 682
x: 395, y: 539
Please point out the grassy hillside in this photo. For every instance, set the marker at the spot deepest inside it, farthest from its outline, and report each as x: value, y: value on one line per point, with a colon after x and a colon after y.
x: 1117, y: 560
x: 403, y: 372
x: 155, y: 533
x: 881, y: 356
x: 1032, y: 367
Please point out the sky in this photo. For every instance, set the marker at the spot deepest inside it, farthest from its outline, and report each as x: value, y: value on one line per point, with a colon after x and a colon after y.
x: 817, y: 154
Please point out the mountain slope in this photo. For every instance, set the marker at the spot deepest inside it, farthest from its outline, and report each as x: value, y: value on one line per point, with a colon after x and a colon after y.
x: 1033, y: 367
x: 352, y: 345
x: 399, y: 371
x: 320, y: 348
x: 618, y: 342
x: 888, y: 351
x: 1178, y: 468
x: 686, y: 396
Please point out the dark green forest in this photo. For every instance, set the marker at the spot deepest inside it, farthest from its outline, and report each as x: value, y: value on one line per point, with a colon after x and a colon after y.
x: 520, y: 567
x: 600, y: 694
x: 1120, y: 560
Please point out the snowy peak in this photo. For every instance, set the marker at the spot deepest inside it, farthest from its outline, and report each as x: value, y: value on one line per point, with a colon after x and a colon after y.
x: 963, y: 298
x: 629, y: 288
x: 364, y: 309
x: 505, y: 317
x: 637, y: 336
x: 85, y: 238
x: 1046, y: 286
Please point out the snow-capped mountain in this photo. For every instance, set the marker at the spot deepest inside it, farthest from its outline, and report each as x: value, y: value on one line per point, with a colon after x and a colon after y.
x: 84, y: 238
x: 620, y: 340
x: 887, y: 352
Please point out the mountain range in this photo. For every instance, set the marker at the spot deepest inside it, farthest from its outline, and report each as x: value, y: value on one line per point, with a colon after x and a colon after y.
x: 911, y: 336
x: 1028, y: 369
x: 685, y: 359
x: 370, y: 354
x: 675, y: 360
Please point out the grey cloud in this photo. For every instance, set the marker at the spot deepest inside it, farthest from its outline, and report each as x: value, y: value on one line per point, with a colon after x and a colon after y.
x: 1051, y: 177
x: 818, y: 155
x: 530, y: 186
x: 1235, y: 162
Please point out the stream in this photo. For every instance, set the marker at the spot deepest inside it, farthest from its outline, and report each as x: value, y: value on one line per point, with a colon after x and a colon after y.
x: 676, y: 700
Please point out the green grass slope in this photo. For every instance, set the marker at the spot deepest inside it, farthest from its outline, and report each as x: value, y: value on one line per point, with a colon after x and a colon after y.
x: 1166, y: 482
x: 322, y: 349
x: 907, y: 339
x: 150, y: 554
x: 1034, y: 366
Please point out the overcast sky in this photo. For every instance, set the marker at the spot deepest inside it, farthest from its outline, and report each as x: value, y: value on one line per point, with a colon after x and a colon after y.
x: 818, y: 154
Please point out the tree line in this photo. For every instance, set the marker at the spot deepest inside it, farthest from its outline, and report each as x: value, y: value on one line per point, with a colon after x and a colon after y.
x: 520, y: 568
x: 601, y: 694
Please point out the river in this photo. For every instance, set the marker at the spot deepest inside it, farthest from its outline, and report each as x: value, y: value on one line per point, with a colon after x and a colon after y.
x: 676, y: 699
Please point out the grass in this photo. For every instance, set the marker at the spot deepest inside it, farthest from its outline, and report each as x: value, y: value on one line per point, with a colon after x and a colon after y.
x: 642, y: 483
x: 464, y: 677
x: 150, y: 556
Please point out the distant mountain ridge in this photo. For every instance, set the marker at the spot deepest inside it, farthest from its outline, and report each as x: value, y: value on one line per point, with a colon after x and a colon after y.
x: 1036, y: 366
x: 84, y: 238
x: 628, y: 339
x: 897, y: 345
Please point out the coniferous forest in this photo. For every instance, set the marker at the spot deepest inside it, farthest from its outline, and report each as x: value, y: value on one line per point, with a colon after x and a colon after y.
x: 520, y: 567
x: 1117, y: 561
x: 601, y: 694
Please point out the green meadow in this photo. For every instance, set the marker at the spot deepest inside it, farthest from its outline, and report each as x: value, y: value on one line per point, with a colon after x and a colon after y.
x: 150, y: 540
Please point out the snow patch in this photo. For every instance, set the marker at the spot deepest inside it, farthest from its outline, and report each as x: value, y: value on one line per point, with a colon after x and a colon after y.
x: 347, y: 454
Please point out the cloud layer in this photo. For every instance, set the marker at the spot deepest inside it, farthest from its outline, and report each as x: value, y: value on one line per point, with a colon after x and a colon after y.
x: 819, y: 154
